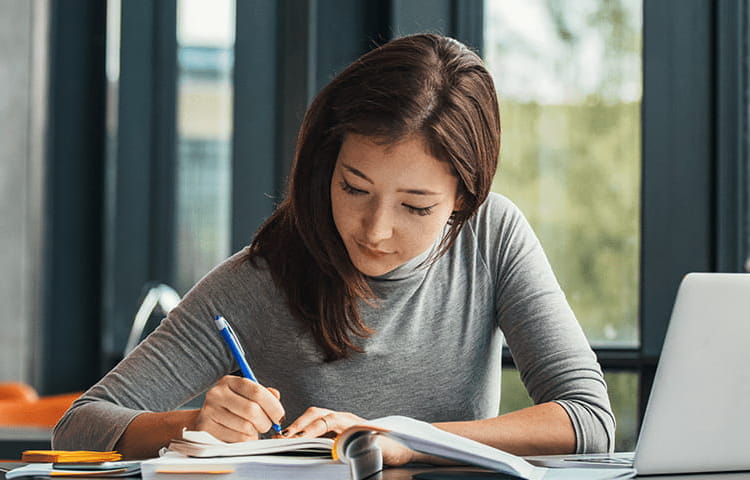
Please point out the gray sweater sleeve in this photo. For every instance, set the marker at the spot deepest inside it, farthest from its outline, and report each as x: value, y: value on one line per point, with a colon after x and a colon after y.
x: 182, y: 358
x: 548, y: 346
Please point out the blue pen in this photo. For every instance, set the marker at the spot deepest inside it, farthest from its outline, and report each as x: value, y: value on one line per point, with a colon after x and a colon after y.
x: 239, y: 354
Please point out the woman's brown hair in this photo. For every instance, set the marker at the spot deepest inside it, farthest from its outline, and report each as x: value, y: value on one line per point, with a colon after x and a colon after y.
x: 422, y: 84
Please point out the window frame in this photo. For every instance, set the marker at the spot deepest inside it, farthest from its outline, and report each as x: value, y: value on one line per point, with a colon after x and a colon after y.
x: 68, y: 338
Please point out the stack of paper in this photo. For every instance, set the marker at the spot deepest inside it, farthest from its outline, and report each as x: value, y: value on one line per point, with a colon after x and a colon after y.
x: 201, y: 453
x: 174, y: 466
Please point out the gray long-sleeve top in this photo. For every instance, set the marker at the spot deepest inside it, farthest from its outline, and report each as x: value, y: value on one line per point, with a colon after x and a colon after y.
x: 436, y: 355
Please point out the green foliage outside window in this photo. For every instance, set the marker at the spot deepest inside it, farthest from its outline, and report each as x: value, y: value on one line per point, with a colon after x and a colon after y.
x: 574, y: 171
x: 568, y: 75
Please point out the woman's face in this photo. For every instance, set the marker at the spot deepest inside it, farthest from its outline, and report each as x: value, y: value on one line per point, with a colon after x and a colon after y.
x: 390, y: 202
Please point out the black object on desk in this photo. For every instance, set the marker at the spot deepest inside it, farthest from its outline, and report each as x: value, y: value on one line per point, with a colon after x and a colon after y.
x: 443, y: 474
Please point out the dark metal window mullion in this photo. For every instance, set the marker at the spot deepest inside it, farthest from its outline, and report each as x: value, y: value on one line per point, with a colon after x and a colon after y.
x: 256, y: 122
x: 139, y: 237
x: 732, y: 210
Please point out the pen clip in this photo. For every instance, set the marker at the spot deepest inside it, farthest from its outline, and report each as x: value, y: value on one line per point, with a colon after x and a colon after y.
x: 236, y: 339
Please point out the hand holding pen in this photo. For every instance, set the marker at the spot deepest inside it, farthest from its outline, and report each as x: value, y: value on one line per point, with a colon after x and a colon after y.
x: 238, y: 409
x: 239, y: 354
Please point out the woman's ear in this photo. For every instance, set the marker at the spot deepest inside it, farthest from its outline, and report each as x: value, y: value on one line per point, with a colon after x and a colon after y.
x: 457, y: 207
x: 459, y: 204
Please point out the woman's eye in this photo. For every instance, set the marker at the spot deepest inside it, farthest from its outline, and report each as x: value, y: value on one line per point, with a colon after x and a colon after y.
x: 419, y: 211
x: 351, y: 190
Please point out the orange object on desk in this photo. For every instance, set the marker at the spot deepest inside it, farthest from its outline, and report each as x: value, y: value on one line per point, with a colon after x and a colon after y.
x: 21, y: 406
x: 69, y: 456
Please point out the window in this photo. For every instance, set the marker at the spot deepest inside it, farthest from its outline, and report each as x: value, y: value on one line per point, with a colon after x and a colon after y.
x: 169, y: 131
x: 205, y: 43
x: 569, y: 84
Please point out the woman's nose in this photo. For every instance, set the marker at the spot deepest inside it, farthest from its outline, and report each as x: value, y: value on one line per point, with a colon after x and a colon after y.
x: 378, y: 225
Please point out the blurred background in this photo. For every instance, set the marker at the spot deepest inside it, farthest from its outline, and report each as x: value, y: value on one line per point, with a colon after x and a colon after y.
x: 144, y: 141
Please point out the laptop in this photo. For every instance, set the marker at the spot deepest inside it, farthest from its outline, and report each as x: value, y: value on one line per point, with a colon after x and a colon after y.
x: 697, y: 418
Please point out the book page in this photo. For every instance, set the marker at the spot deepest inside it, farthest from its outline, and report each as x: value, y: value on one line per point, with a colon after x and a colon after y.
x: 203, y: 444
x: 425, y: 438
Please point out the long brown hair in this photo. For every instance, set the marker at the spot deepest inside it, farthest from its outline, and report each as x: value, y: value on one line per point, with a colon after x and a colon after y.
x: 422, y: 84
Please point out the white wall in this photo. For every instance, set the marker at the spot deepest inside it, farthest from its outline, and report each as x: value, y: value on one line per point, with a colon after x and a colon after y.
x: 23, y: 71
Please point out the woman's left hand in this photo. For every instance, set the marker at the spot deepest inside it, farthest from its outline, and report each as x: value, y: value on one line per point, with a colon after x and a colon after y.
x: 319, y: 422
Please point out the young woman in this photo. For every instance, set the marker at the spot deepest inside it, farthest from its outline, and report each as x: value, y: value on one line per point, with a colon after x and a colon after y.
x: 384, y: 283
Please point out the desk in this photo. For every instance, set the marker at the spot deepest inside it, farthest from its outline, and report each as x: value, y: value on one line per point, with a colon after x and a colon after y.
x: 405, y: 473
x: 14, y: 440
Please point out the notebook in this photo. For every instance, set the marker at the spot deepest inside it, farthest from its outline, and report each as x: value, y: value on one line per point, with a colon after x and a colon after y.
x: 697, y: 418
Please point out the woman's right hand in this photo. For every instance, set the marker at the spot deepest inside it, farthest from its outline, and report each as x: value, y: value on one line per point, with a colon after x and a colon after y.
x: 237, y: 409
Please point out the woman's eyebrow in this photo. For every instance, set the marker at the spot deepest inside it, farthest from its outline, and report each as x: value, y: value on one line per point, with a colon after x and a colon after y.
x: 413, y: 191
x: 356, y: 172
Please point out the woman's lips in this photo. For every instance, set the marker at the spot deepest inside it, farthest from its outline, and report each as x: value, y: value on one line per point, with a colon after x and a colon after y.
x: 371, y: 251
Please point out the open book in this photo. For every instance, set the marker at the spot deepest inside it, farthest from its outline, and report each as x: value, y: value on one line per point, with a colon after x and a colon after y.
x: 353, y: 455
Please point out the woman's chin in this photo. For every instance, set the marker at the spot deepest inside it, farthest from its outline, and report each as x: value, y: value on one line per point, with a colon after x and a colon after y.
x: 374, y: 269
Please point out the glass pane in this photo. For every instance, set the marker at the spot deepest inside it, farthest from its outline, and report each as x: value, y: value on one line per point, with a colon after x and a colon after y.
x: 568, y: 76
x: 623, y: 393
x: 205, y: 33
x: 113, y: 81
